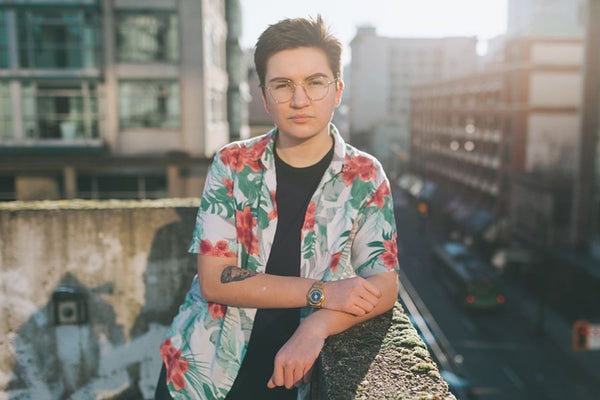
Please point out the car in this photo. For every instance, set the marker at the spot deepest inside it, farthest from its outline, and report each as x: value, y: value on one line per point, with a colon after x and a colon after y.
x: 473, y: 281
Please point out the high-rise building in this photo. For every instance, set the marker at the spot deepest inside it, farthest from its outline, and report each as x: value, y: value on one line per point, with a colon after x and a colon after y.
x: 474, y: 134
x: 114, y: 99
x: 382, y: 72
x: 586, y: 210
x: 545, y: 18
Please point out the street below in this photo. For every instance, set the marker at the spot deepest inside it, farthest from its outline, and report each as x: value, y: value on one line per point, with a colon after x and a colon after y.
x: 499, y: 353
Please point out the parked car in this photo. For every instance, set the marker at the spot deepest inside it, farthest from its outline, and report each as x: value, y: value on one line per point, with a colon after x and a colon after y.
x: 473, y: 281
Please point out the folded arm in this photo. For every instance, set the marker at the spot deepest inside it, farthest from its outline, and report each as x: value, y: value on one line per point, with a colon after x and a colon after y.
x: 221, y: 281
x: 294, y: 361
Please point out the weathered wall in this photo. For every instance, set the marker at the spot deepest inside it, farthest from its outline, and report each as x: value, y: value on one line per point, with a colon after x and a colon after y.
x: 130, y: 261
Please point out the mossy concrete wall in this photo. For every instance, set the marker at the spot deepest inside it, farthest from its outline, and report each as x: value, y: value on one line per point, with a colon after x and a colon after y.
x: 383, y: 358
x: 129, y: 261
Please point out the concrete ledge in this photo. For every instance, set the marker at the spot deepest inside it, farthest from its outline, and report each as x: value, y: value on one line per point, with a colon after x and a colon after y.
x: 98, y: 204
x: 383, y: 358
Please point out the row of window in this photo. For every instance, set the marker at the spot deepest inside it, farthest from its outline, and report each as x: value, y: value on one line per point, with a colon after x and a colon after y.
x: 59, y: 111
x: 100, y: 187
x: 67, y: 38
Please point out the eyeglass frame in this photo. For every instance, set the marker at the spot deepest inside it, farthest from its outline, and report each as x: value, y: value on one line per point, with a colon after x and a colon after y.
x: 294, y: 85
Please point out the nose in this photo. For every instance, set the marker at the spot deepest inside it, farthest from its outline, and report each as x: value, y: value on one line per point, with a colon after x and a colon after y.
x: 300, y: 98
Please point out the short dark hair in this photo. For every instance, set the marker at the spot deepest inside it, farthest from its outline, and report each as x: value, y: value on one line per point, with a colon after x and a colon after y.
x: 293, y: 33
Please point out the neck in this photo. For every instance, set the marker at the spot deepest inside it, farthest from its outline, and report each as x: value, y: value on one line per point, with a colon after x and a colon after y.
x: 301, y: 154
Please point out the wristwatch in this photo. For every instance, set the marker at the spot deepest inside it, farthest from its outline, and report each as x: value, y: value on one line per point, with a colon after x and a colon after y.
x: 316, y: 295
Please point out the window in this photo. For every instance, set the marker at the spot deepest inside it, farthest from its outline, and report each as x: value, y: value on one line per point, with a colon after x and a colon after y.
x: 122, y: 186
x: 3, y: 41
x: 7, y: 188
x: 58, y: 39
x: 5, y: 112
x: 60, y: 111
x: 147, y: 37
x: 149, y: 104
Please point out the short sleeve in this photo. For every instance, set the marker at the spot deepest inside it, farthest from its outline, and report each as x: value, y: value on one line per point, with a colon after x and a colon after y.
x: 215, y: 231
x: 375, y: 247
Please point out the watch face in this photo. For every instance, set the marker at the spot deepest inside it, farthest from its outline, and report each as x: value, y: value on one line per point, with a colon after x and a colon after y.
x: 315, y: 296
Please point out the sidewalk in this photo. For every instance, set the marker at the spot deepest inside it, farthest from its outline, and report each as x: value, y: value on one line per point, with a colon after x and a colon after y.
x: 556, y: 329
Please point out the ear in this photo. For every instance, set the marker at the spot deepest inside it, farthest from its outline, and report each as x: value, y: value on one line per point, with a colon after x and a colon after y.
x: 339, y: 88
x: 265, y: 102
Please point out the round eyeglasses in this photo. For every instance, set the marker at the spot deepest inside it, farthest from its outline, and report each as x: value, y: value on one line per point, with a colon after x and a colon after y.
x: 315, y: 88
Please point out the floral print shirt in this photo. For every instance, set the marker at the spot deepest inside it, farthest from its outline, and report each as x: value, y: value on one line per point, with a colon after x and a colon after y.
x: 349, y: 223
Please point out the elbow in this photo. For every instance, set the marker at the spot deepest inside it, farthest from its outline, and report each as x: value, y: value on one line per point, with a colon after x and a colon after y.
x: 207, y: 289
x: 392, y: 292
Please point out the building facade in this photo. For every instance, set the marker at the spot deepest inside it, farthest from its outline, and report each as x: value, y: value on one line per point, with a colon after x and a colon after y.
x: 112, y: 98
x: 474, y: 134
x: 382, y: 72
x: 545, y: 18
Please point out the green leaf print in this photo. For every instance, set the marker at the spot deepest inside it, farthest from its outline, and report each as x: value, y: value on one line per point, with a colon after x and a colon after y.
x: 360, y: 191
x: 308, y: 245
x: 218, y: 202
x: 250, y: 188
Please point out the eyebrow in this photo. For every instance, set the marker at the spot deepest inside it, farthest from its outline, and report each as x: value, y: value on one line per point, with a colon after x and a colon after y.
x: 315, y: 75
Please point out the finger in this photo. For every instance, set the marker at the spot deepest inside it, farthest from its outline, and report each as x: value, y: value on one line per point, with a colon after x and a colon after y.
x: 370, y: 297
x: 289, y: 377
x: 365, y: 305
x: 298, y: 377
x: 371, y: 288
x: 277, y: 377
x: 271, y: 384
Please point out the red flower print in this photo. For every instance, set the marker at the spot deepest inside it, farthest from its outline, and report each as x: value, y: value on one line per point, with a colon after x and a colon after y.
x: 229, y: 185
x: 231, y: 158
x: 217, y: 310
x: 390, y: 255
x: 238, y: 157
x: 379, y: 195
x: 257, y: 150
x: 244, y: 222
x: 360, y: 166
x: 309, y: 218
x: 273, y: 213
x: 220, y: 249
x: 174, y: 365
x: 335, y: 260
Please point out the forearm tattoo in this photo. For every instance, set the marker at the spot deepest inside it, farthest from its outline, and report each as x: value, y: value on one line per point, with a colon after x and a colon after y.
x: 231, y: 273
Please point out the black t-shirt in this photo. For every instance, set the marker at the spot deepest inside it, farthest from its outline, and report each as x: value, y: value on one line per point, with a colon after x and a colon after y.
x: 273, y: 327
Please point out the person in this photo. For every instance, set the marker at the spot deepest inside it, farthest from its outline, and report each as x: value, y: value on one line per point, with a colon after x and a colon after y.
x: 295, y: 235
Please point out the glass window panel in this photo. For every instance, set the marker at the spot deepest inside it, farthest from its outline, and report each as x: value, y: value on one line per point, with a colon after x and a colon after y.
x: 5, y: 112
x: 147, y: 37
x: 3, y: 41
x: 58, y: 39
x: 149, y: 105
x: 65, y: 112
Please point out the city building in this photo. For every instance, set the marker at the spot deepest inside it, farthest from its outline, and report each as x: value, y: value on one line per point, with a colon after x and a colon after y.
x: 473, y: 134
x: 512, y: 156
x: 382, y: 72
x: 115, y: 99
x: 586, y: 199
x: 537, y: 18
x: 557, y: 18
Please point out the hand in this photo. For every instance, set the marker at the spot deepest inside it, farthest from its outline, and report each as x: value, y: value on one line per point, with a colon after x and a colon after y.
x: 355, y: 296
x: 294, y: 361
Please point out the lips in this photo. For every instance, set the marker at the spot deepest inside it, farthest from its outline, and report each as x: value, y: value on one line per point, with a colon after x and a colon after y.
x: 300, y: 118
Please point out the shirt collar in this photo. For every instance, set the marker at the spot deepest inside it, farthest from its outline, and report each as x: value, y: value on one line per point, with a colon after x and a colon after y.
x: 339, y: 152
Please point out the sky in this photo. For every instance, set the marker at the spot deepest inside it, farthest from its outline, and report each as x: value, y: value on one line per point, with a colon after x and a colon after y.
x: 392, y: 18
